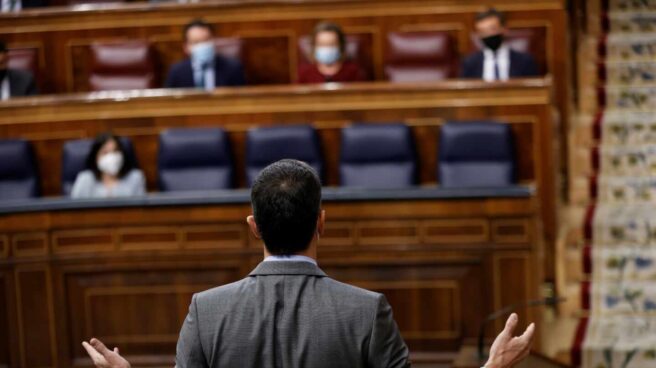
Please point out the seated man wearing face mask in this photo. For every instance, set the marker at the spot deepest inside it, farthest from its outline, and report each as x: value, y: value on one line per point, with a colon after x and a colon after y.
x: 14, y: 82
x: 204, y: 68
x: 497, y: 61
x: 329, y: 62
x: 109, y: 172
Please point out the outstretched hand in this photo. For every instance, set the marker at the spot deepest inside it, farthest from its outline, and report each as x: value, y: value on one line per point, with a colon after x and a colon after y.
x: 506, y: 351
x: 103, y: 357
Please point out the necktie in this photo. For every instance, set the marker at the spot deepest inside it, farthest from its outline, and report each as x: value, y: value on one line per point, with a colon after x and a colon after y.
x: 497, y: 75
x: 12, y: 4
x: 199, y: 77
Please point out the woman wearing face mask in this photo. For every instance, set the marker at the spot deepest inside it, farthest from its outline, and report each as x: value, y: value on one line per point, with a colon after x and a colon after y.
x: 329, y: 58
x: 109, y: 173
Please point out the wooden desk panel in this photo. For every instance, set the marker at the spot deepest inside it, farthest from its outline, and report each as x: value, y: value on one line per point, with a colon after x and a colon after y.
x: 126, y: 275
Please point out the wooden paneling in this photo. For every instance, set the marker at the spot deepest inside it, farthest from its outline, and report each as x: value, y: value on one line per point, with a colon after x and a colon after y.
x: 5, y: 359
x: 35, y: 320
x: 126, y: 275
x: 140, y: 310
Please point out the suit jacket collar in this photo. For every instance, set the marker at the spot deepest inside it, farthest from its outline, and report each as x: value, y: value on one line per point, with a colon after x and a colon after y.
x: 287, y: 268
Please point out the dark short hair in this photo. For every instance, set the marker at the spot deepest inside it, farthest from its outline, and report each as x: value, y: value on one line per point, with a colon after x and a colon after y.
x: 198, y: 22
x: 3, y: 46
x: 489, y: 13
x: 99, y: 141
x: 286, y: 200
x: 330, y: 27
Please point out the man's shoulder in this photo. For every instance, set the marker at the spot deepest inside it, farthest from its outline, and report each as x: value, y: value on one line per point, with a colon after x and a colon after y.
x: 473, y: 57
x: 328, y: 286
x: 19, y: 74
x: 521, y: 56
x: 180, y: 65
x: 351, y: 290
x: 227, y: 62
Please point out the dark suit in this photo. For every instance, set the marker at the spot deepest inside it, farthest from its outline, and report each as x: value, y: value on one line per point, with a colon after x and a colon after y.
x: 27, y: 4
x: 21, y: 83
x: 227, y: 72
x: 521, y: 65
x: 290, y: 314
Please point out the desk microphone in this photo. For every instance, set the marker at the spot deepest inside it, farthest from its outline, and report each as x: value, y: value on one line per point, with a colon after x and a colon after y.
x: 550, y: 301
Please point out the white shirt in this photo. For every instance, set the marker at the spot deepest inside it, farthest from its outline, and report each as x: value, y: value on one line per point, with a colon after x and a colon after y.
x: 4, y: 88
x: 208, y: 76
x: 290, y: 258
x: 501, y: 58
x: 6, y: 5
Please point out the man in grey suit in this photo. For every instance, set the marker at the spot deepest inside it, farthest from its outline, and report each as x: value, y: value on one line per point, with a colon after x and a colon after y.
x: 14, y: 82
x: 289, y: 313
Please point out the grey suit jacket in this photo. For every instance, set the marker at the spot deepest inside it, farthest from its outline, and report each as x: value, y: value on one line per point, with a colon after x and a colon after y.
x: 290, y: 314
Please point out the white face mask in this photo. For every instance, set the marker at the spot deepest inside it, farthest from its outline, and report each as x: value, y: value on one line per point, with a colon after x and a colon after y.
x: 110, y: 163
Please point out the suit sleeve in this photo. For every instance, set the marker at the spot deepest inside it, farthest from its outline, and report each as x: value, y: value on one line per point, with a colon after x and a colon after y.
x: 237, y: 76
x: 531, y: 67
x: 170, y: 79
x: 465, y: 69
x: 31, y: 87
x: 189, y: 352
x: 386, y: 346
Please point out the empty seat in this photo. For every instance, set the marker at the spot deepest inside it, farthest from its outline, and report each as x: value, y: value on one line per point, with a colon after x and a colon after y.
x: 122, y: 65
x: 420, y: 56
x: 74, y: 159
x: 19, y: 178
x: 377, y: 156
x: 267, y: 145
x: 194, y: 159
x: 358, y: 49
x: 476, y: 154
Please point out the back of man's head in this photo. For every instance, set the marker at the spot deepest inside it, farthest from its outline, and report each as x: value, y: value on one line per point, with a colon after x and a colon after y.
x: 286, y: 200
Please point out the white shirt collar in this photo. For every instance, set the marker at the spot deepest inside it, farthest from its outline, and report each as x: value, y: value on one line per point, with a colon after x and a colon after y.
x: 5, y: 92
x: 290, y: 258
x: 502, y: 58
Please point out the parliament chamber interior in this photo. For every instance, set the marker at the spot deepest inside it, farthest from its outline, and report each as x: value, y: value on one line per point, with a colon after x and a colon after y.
x: 476, y: 158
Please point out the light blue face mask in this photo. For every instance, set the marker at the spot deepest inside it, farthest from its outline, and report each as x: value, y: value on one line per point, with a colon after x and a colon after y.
x: 326, y: 54
x: 202, y: 53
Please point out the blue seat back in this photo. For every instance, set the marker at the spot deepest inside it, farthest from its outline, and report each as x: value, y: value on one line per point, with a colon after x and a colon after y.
x: 476, y: 154
x: 377, y: 156
x: 19, y: 176
x: 194, y: 159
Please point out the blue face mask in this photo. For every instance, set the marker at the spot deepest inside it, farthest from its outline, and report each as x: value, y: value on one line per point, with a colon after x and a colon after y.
x: 326, y: 54
x: 202, y: 53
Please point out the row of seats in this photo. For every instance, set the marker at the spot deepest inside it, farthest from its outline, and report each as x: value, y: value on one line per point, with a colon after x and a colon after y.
x: 409, y: 57
x: 472, y: 154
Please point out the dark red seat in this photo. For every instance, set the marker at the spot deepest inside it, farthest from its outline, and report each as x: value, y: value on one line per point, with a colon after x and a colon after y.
x: 358, y: 49
x: 420, y: 56
x: 122, y: 65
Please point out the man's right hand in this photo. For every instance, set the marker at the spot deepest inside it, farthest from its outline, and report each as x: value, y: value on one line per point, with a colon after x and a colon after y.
x: 103, y: 357
x: 506, y: 351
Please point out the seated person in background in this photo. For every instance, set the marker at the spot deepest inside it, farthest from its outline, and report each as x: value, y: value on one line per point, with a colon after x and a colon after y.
x: 16, y: 5
x: 204, y: 68
x: 329, y: 62
x: 496, y: 61
x: 109, y: 173
x: 13, y: 82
